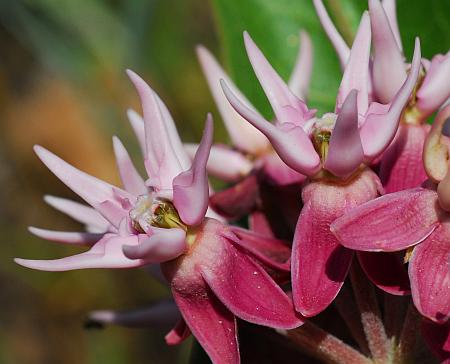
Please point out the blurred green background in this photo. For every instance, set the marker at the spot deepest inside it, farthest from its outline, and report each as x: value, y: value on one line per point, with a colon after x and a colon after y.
x: 62, y: 85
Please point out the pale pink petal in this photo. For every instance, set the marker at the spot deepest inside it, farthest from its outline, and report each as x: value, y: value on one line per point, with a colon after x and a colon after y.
x: 131, y: 180
x: 279, y: 173
x: 243, y: 136
x: 224, y: 163
x: 66, y: 237
x: 162, y: 246
x: 290, y: 141
x: 160, y: 314
x: 137, y: 124
x: 190, y: 188
x: 387, y: 271
x: 301, y: 75
x: 437, y: 337
x: 94, y: 191
x: 244, y: 288
x: 286, y: 106
x: 178, y: 334
x: 345, y: 152
x: 390, y: 8
x: 106, y: 253
x: 401, y: 165
x: 356, y: 73
x: 379, y: 130
x: 435, y: 89
x: 389, y: 70
x: 212, y: 324
x: 430, y: 275
x: 389, y: 223
x: 79, y: 212
x: 342, y: 49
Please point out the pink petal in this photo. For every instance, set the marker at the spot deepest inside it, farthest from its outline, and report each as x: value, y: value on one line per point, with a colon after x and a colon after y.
x: 162, y: 246
x: 79, y: 212
x: 379, y: 130
x: 224, y: 163
x: 66, y: 237
x: 430, y: 275
x: 258, y: 223
x: 435, y: 89
x: 290, y: 141
x: 356, y: 73
x: 390, y: 8
x: 336, y: 39
x: 243, y: 136
x: 137, y: 124
x: 387, y: 271
x: 178, y: 334
x: 301, y: 75
x: 272, y: 252
x: 286, y: 106
x: 389, y: 71
x: 389, y: 223
x: 243, y: 287
x: 94, y: 191
x: 190, y: 188
x: 130, y: 177
x: 159, y: 314
x: 345, y: 152
x: 106, y: 253
x: 279, y: 173
x: 319, y: 263
x: 437, y: 337
x: 212, y: 324
x: 401, y: 165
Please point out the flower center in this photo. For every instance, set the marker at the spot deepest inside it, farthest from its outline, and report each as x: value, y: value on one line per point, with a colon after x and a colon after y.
x: 411, y: 114
x: 321, y: 134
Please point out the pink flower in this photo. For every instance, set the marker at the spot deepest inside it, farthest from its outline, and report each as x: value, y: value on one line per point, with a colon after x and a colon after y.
x: 412, y: 218
x: 332, y: 151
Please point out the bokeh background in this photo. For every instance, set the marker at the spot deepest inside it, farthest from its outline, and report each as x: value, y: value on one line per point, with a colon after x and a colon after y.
x: 63, y: 85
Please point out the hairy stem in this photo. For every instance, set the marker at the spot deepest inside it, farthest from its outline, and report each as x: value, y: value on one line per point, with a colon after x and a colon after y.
x: 406, y: 345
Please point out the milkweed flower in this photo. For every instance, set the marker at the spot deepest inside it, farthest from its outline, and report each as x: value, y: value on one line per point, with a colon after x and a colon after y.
x: 333, y: 151
x: 162, y: 220
x: 415, y: 219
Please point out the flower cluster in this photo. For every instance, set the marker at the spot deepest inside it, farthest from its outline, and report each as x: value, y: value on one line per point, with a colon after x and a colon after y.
x: 324, y: 195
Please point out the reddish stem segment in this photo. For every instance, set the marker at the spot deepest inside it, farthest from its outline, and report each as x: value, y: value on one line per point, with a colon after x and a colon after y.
x: 406, y: 346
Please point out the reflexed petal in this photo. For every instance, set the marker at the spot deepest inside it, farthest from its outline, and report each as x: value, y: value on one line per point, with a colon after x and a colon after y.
x: 131, y: 180
x: 178, y: 334
x: 430, y: 275
x: 91, y: 189
x: 290, y: 141
x: 190, y: 188
x: 286, y: 106
x: 224, y: 163
x: 211, y: 323
x: 301, y: 75
x: 390, y: 8
x: 106, y: 253
x: 137, y: 123
x: 66, y: 237
x: 379, y: 130
x: 249, y: 292
x: 401, y: 165
x: 258, y: 223
x: 387, y: 271
x: 389, y: 71
x: 163, y: 245
x: 356, y: 74
x: 437, y: 337
x: 243, y: 136
x: 342, y: 49
x: 389, y: 223
x: 345, y: 152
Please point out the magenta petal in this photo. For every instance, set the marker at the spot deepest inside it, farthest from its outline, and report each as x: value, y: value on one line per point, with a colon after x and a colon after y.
x: 342, y: 49
x: 387, y: 271
x: 345, y: 152
x: 212, y: 324
x: 245, y: 288
x: 190, y: 188
x: 66, y: 237
x: 389, y: 71
x: 437, y: 337
x: 178, y: 334
x: 301, y: 75
x: 389, y: 223
x: 258, y: 223
x: 430, y: 275
x: 378, y: 129
x: 401, y: 165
